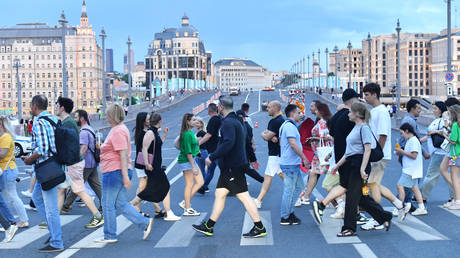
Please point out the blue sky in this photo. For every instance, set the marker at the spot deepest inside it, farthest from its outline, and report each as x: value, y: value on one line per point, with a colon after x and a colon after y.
x: 273, y: 33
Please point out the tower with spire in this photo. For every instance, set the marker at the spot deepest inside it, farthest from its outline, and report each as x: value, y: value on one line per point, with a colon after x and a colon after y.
x: 85, y: 28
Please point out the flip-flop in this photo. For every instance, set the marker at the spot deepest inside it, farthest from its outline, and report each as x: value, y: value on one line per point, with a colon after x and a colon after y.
x: 346, y: 233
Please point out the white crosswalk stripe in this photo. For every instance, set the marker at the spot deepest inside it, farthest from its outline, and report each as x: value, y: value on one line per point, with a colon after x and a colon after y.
x: 266, y: 218
x: 455, y: 212
x: 181, y: 233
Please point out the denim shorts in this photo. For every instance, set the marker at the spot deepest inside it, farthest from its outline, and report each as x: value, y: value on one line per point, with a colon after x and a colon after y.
x: 407, y: 181
x: 187, y: 165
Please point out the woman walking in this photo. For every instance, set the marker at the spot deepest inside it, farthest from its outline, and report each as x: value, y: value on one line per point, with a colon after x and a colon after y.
x: 10, y: 173
x: 151, y: 146
x: 116, y: 171
x: 189, y: 149
x: 454, y: 163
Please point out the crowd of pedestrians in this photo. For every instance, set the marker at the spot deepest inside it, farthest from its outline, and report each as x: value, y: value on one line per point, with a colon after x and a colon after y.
x: 350, y: 148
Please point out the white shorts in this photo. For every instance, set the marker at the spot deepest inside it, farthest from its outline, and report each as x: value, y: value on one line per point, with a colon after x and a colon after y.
x: 140, y: 173
x: 273, y: 166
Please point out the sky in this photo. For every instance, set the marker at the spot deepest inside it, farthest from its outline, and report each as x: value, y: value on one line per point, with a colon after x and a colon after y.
x: 274, y: 34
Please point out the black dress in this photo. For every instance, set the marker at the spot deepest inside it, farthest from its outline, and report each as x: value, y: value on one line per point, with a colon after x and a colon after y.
x: 157, y: 182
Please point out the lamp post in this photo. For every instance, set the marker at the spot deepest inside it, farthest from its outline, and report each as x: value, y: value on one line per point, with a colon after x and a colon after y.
x: 336, y: 51
x: 327, y: 68
x: 319, y: 68
x: 449, y: 41
x: 16, y: 65
x: 369, y: 62
x: 398, y: 81
x: 104, y: 86
x: 308, y: 71
x: 129, y: 70
x: 349, y: 64
x: 313, y: 69
x: 65, y: 89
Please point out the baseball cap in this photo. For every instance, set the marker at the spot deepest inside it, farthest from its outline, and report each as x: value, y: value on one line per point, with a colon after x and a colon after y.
x: 349, y: 94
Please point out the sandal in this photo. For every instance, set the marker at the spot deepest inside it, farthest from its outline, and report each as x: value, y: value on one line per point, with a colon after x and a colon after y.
x: 145, y: 214
x: 346, y: 233
x: 160, y: 214
x: 387, y: 225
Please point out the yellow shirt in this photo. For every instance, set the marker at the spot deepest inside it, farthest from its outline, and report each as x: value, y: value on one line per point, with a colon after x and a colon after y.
x: 6, y: 142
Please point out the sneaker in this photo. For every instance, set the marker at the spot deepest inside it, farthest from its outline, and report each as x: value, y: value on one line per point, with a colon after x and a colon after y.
x: 318, y: 209
x: 9, y: 233
x: 203, y: 228
x: 293, y: 219
x: 30, y: 208
x: 66, y: 210
x: 419, y: 211
x: 454, y: 206
x: 402, y: 213
x: 43, y: 225
x: 182, y: 204
x: 2, y: 229
x: 285, y: 222
x: 395, y: 212
x: 207, y: 190
x: 447, y: 204
x: 339, y: 213
x: 24, y: 224
x: 190, y: 212
x: 201, y: 191
x: 95, y: 222
x: 304, y: 201
x: 298, y: 203
x: 258, y: 204
x: 27, y: 193
x: 105, y: 241
x: 148, y: 229
x: 256, y: 232
x: 160, y: 214
x: 361, y: 219
x: 372, y: 225
x: 50, y: 249
x: 170, y: 216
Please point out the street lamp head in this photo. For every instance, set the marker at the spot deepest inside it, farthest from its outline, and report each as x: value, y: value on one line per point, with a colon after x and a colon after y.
x: 129, y: 41
x: 398, y: 28
x: 327, y: 51
x: 349, y: 45
x: 369, y: 36
x: 103, y: 35
x: 336, y: 49
x: 62, y: 20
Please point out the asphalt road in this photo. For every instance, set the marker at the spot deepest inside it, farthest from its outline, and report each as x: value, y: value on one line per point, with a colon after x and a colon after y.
x: 433, y: 235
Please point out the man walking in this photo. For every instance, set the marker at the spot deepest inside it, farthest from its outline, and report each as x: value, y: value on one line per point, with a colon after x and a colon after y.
x: 271, y: 136
x: 231, y: 154
x: 43, y: 147
x: 290, y: 159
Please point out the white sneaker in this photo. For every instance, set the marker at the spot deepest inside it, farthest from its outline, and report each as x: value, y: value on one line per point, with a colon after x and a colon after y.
x: 2, y: 229
x: 148, y: 229
x: 170, y: 216
x: 395, y: 212
x: 372, y: 225
x: 182, y: 204
x: 298, y: 203
x: 30, y: 208
x: 447, y: 204
x: 9, y: 233
x: 190, y: 212
x: 258, y: 204
x: 105, y: 241
x: 338, y: 213
x: 419, y: 211
x: 27, y: 193
x: 305, y: 201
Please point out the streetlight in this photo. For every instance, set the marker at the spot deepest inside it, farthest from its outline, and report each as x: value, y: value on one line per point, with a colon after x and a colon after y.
x: 129, y: 70
x: 319, y: 68
x: 104, y: 86
x: 327, y: 69
x: 369, y: 57
x: 65, y: 89
x: 336, y: 51
x: 18, y: 86
x: 398, y: 81
x: 308, y: 71
x: 313, y: 69
x: 349, y: 64
x: 449, y: 42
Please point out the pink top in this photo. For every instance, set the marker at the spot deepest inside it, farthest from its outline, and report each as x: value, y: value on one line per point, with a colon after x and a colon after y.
x: 117, y: 140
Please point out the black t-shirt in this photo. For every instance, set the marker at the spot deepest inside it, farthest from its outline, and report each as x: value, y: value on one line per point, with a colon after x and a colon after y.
x: 201, y: 134
x: 339, y: 128
x: 274, y: 126
x: 213, y: 129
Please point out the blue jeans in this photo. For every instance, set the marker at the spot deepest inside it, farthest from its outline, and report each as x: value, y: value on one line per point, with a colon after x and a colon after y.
x: 114, y: 198
x: 5, y: 211
x: 47, y: 206
x: 209, y: 174
x: 201, y: 162
x: 10, y: 194
x: 293, y: 185
x: 432, y: 176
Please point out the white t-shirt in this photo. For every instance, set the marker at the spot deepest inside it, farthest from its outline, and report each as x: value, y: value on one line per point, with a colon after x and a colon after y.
x: 381, y: 125
x: 437, y: 124
x: 413, y: 167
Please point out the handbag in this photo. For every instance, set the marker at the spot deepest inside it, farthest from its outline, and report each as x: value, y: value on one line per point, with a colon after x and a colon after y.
x: 437, y: 139
x: 140, y: 159
x: 323, y: 151
x: 377, y: 152
x: 445, y: 146
x: 6, y: 167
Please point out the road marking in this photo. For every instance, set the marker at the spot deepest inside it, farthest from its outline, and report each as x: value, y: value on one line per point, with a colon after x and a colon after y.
x: 330, y: 227
x: 67, y: 253
x: 88, y: 241
x: 180, y: 234
x: 171, y: 165
x: 364, y: 251
x: 246, y: 99
x: 266, y: 218
x: 455, y: 212
x: 176, y: 178
x: 259, y: 99
x: 23, y: 178
x: 417, y: 229
x: 28, y: 236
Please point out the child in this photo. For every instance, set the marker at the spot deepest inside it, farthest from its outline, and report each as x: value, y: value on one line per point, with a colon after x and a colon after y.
x: 412, y: 169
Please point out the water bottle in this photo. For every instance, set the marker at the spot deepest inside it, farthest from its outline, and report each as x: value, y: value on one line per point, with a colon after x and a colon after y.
x: 98, y: 139
x: 365, y: 188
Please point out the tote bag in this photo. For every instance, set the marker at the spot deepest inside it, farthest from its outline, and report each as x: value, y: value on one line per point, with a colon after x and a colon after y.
x: 323, y: 151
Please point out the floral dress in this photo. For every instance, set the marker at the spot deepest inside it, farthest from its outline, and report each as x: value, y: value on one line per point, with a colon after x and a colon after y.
x: 319, y: 130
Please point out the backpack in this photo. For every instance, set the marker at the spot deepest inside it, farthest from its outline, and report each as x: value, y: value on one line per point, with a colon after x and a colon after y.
x: 97, y: 151
x: 67, y: 143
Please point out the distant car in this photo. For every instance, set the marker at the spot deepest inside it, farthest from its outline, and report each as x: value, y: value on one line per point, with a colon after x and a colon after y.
x: 234, y: 91
x: 269, y: 89
x: 22, y: 146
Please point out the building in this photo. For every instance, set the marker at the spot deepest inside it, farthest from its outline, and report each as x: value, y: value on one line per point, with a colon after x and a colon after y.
x: 125, y: 61
x: 109, y: 60
x: 277, y: 77
x: 241, y: 73
x: 343, y: 67
x: 39, y: 50
x: 178, y: 54
x: 138, y: 75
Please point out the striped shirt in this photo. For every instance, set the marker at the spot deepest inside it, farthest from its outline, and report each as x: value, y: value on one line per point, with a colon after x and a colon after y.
x: 43, y: 137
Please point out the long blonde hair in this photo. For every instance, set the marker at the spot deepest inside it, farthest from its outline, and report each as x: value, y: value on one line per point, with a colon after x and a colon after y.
x: 361, y: 111
x: 5, y: 122
x: 454, y: 113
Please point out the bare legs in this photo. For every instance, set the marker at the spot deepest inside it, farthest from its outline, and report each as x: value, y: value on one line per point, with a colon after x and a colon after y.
x: 192, y: 184
x: 245, y: 198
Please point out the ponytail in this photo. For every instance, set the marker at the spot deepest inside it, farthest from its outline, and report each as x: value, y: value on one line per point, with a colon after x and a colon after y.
x: 407, y: 127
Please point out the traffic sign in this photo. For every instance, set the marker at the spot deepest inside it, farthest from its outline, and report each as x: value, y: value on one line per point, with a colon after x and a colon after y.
x: 449, y: 76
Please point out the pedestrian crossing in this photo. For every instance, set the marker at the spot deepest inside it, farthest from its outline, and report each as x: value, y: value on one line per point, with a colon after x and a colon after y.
x: 180, y: 233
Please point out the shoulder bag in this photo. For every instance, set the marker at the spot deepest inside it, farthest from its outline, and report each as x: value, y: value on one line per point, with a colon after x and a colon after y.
x: 140, y: 156
x: 376, y: 153
x: 437, y: 139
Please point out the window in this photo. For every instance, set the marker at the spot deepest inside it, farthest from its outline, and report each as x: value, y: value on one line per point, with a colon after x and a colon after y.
x: 415, y: 44
x: 421, y: 75
x: 410, y: 92
x: 428, y: 91
x: 410, y: 75
x: 416, y: 92
x: 410, y: 68
x: 410, y: 83
x: 410, y: 52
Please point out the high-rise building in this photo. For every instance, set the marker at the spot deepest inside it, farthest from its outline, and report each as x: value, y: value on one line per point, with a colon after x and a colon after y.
x: 39, y: 50
x: 109, y: 60
x: 125, y: 61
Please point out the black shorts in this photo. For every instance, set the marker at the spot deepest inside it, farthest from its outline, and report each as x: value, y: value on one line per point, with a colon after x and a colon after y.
x: 233, y: 179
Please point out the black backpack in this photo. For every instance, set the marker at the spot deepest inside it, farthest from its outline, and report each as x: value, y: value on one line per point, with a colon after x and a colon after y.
x: 97, y: 151
x: 67, y: 143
